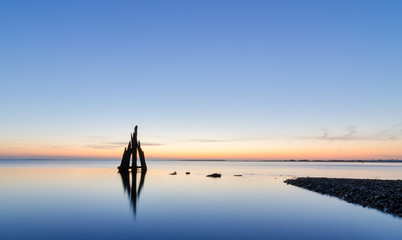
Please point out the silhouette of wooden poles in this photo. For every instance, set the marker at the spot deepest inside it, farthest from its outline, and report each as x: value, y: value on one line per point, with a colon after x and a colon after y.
x: 130, y: 151
x: 142, y: 181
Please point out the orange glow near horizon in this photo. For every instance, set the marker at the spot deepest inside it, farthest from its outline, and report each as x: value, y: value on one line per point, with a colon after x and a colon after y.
x: 255, y: 150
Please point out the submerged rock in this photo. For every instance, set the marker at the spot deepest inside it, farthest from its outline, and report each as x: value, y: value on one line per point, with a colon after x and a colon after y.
x: 214, y: 175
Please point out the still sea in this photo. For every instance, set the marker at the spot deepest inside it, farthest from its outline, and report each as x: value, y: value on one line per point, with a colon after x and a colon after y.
x: 77, y: 199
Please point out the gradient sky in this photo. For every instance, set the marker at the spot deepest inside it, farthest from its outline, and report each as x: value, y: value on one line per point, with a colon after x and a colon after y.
x: 202, y: 79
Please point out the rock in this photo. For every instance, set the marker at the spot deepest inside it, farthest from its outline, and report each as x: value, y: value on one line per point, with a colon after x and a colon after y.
x: 384, y: 195
x: 214, y: 175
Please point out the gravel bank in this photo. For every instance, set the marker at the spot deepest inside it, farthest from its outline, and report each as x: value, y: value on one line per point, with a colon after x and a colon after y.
x: 384, y: 195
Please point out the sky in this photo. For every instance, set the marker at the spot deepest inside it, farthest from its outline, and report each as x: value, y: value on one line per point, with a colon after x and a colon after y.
x: 247, y: 80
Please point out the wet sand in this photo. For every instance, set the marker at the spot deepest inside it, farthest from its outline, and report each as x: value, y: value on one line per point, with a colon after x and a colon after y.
x: 384, y: 195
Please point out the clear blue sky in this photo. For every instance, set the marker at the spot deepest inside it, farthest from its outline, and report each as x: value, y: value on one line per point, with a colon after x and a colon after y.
x: 280, y: 79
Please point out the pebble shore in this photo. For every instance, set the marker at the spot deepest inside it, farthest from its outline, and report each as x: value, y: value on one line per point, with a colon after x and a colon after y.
x: 384, y: 195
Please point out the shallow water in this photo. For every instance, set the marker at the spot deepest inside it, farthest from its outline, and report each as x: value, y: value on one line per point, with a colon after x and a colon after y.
x: 45, y: 199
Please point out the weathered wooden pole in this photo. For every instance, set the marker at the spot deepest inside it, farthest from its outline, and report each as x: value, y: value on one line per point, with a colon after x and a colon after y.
x: 134, y: 149
x: 125, y: 160
x: 142, y: 158
x: 122, y: 161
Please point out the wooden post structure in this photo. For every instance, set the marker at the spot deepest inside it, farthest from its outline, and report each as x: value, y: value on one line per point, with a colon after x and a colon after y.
x: 131, y: 152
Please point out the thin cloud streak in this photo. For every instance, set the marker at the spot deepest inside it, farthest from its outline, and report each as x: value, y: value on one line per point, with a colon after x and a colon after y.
x: 56, y: 147
x: 114, y: 145
x: 210, y: 140
x: 392, y: 133
x: 396, y: 126
x: 350, y: 135
x: 152, y: 144
x: 192, y: 140
x: 392, y: 156
x: 106, y: 145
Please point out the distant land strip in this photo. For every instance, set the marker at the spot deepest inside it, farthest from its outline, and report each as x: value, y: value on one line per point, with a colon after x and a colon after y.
x: 292, y: 160
x: 383, y: 195
x: 214, y: 160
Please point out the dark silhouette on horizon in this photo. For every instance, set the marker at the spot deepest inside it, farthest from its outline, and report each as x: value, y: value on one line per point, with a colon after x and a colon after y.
x: 130, y: 151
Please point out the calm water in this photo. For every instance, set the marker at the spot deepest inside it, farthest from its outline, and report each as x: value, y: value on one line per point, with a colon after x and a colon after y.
x: 90, y: 199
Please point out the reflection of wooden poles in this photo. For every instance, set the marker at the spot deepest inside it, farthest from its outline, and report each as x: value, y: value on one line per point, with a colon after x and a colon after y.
x: 131, y: 188
x: 142, y: 180
x: 131, y: 152
x: 125, y: 179
x: 133, y: 196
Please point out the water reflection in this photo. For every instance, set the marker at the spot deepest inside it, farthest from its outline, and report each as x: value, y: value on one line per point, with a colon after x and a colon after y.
x: 75, y: 200
x: 131, y: 188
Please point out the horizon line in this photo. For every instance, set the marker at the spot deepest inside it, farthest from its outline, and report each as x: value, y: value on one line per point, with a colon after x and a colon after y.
x: 207, y: 160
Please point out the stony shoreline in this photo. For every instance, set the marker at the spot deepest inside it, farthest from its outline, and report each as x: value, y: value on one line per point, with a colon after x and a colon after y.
x: 384, y: 195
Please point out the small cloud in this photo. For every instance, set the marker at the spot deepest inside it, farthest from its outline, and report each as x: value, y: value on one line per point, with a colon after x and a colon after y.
x: 152, y: 144
x: 106, y: 145
x: 393, y: 133
x: 64, y: 147
x: 100, y: 146
x: 392, y: 128
x: 114, y: 145
x: 350, y: 135
x: 391, y: 156
x: 209, y: 140
x: 95, y: 137
x: 170, y: 140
